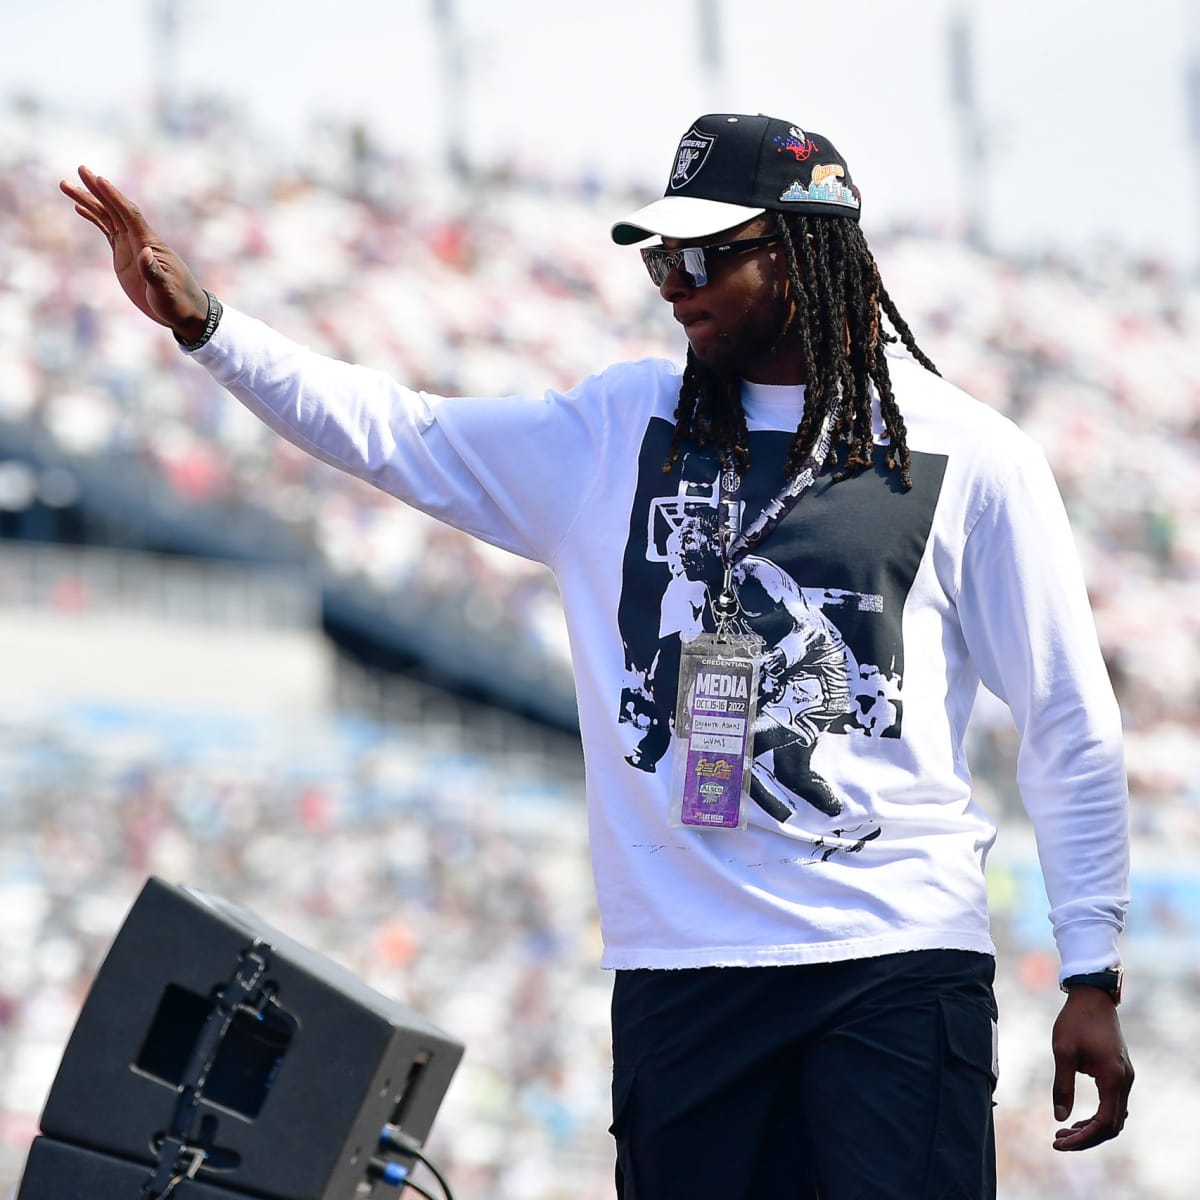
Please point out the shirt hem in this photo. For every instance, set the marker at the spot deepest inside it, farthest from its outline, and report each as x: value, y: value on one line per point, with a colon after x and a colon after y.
x: 793, y: 955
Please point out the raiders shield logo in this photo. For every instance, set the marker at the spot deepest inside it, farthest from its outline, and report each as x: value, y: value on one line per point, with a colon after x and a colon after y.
x: 692, y: 155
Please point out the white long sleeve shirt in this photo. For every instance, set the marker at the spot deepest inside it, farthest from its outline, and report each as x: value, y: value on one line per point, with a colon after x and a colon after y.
x: 902, y: 601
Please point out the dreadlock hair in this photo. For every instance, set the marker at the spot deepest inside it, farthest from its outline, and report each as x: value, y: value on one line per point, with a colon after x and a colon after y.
x: 840, y: 302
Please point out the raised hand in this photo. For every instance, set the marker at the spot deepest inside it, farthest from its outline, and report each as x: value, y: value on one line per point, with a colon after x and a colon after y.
x: 152, y: 275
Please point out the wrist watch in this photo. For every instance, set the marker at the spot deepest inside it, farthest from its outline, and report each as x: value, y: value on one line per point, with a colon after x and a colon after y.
x: 1110, y: 980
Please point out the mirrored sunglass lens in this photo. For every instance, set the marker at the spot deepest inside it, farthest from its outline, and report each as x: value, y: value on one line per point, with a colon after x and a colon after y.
x: 690, y: 263
x: 694, y: 266
x: 658, y: 264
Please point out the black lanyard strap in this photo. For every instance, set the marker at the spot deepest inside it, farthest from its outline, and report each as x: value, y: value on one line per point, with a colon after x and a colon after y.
x: 736, y: 545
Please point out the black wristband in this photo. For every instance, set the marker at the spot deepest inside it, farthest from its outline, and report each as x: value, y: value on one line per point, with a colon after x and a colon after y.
x: 210, y: 324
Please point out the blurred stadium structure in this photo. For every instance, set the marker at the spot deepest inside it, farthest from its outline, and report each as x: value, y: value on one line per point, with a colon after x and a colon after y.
x: 224, y: 663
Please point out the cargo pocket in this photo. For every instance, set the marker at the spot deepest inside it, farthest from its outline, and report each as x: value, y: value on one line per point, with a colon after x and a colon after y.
x: 622, y: 1101
x: 622, y: 1108
x: 962, y: 1156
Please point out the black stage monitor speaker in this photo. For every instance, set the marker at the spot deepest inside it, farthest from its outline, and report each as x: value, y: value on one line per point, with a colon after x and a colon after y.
x: 72, y: 1173
x: 216, y: 1049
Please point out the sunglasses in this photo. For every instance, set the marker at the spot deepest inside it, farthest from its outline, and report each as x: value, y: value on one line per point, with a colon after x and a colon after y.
x: 692, y: 262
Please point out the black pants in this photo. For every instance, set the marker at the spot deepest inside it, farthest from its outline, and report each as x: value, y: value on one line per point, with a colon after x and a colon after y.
x: 862, y: 1080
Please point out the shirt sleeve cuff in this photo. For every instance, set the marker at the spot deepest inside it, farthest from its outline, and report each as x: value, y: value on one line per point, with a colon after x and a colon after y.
x: 1087, y: 946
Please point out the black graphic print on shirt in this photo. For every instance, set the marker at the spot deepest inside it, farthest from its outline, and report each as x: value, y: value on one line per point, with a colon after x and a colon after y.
x: 825, y: 591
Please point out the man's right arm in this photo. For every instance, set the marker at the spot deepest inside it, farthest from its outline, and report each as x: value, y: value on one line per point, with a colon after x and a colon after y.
x: 511, y: 470
x: 506, y: 470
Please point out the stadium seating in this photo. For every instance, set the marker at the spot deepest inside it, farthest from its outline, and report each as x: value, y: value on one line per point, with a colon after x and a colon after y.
x: 451, y: 875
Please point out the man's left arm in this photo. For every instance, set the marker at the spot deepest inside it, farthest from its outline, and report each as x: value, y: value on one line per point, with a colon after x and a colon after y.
x: 1028, y: 623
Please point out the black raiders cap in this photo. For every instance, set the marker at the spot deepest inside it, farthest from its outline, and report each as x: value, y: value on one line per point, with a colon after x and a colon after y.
x: 730, y: 167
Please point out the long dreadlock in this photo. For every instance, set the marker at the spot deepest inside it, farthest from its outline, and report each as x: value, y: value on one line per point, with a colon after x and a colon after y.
x: 840, y: 303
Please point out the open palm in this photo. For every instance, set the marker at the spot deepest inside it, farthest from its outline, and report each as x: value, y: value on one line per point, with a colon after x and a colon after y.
x: 151, y: 274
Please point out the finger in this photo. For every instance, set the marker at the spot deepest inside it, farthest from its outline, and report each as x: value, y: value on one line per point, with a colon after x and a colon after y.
x: 83, y: 212
x: 77, y: 194
x: 87, y: 175
x: 1079, y: 1136
x: 1114, y: 1086
x: 109, y: 200
x: 150, y: 267
x: 127, y: 214
x: 1063, y: 1091
x: 86, y: 206
x: 94, y: 201
x: 93, y: 194
x: 1085, y: 1134
x: 1108, y: 1121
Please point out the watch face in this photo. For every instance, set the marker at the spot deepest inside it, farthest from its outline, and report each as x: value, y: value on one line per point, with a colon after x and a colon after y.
x: 1118, y: 975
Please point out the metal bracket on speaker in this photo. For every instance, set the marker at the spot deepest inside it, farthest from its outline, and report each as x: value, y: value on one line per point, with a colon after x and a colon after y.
x: 179, y: 1157
x: 177, y: 1161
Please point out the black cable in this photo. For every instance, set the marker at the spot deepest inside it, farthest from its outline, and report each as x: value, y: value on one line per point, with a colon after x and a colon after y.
x: 416, y: 1187
x: 434, y: 1172
x: 396, y: 1175
x: 395, y: 1139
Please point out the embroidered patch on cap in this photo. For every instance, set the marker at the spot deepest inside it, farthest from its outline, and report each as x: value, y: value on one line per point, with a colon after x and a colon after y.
x: 798, y: 142
x: 825, y: 186
x: 692, y: 154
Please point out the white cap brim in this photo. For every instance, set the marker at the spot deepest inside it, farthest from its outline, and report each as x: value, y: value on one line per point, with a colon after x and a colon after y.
x: 681, y: 217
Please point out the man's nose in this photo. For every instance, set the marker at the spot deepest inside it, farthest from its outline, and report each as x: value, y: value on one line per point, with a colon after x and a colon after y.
x: 676, y: 285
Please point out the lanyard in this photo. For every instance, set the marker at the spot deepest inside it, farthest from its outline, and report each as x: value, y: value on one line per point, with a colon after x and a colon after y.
x: 736, y: 544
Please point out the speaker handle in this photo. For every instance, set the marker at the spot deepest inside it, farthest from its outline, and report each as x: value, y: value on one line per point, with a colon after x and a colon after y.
x: 178, y: 1158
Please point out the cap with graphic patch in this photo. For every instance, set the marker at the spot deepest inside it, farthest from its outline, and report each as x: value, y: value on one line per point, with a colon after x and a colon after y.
x: 730, y: 167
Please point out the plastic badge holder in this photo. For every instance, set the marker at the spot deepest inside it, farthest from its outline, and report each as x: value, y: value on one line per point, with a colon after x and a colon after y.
x: 712, y: 746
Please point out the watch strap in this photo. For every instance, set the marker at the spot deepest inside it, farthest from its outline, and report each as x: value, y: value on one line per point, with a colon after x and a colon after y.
x: 1110, y: 980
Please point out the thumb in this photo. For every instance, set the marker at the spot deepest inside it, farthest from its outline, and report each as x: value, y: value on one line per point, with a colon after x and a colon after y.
x: 1063, y: 1092
x: 150, y: 267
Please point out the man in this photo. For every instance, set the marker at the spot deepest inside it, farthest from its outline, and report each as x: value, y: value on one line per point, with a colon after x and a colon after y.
x: 803, y: 1001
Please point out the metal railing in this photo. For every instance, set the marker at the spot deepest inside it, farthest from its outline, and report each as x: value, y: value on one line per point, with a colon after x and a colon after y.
x: 90, y: 580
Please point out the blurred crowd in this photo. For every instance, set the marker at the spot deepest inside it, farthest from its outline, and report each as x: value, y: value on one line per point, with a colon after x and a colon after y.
x: 453, y: 880
x: 502, y: 285
x: 453, y: 876
x: 480, y: 915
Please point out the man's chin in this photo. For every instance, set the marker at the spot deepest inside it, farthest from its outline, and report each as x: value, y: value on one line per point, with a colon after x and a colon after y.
x: 716, y: 354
